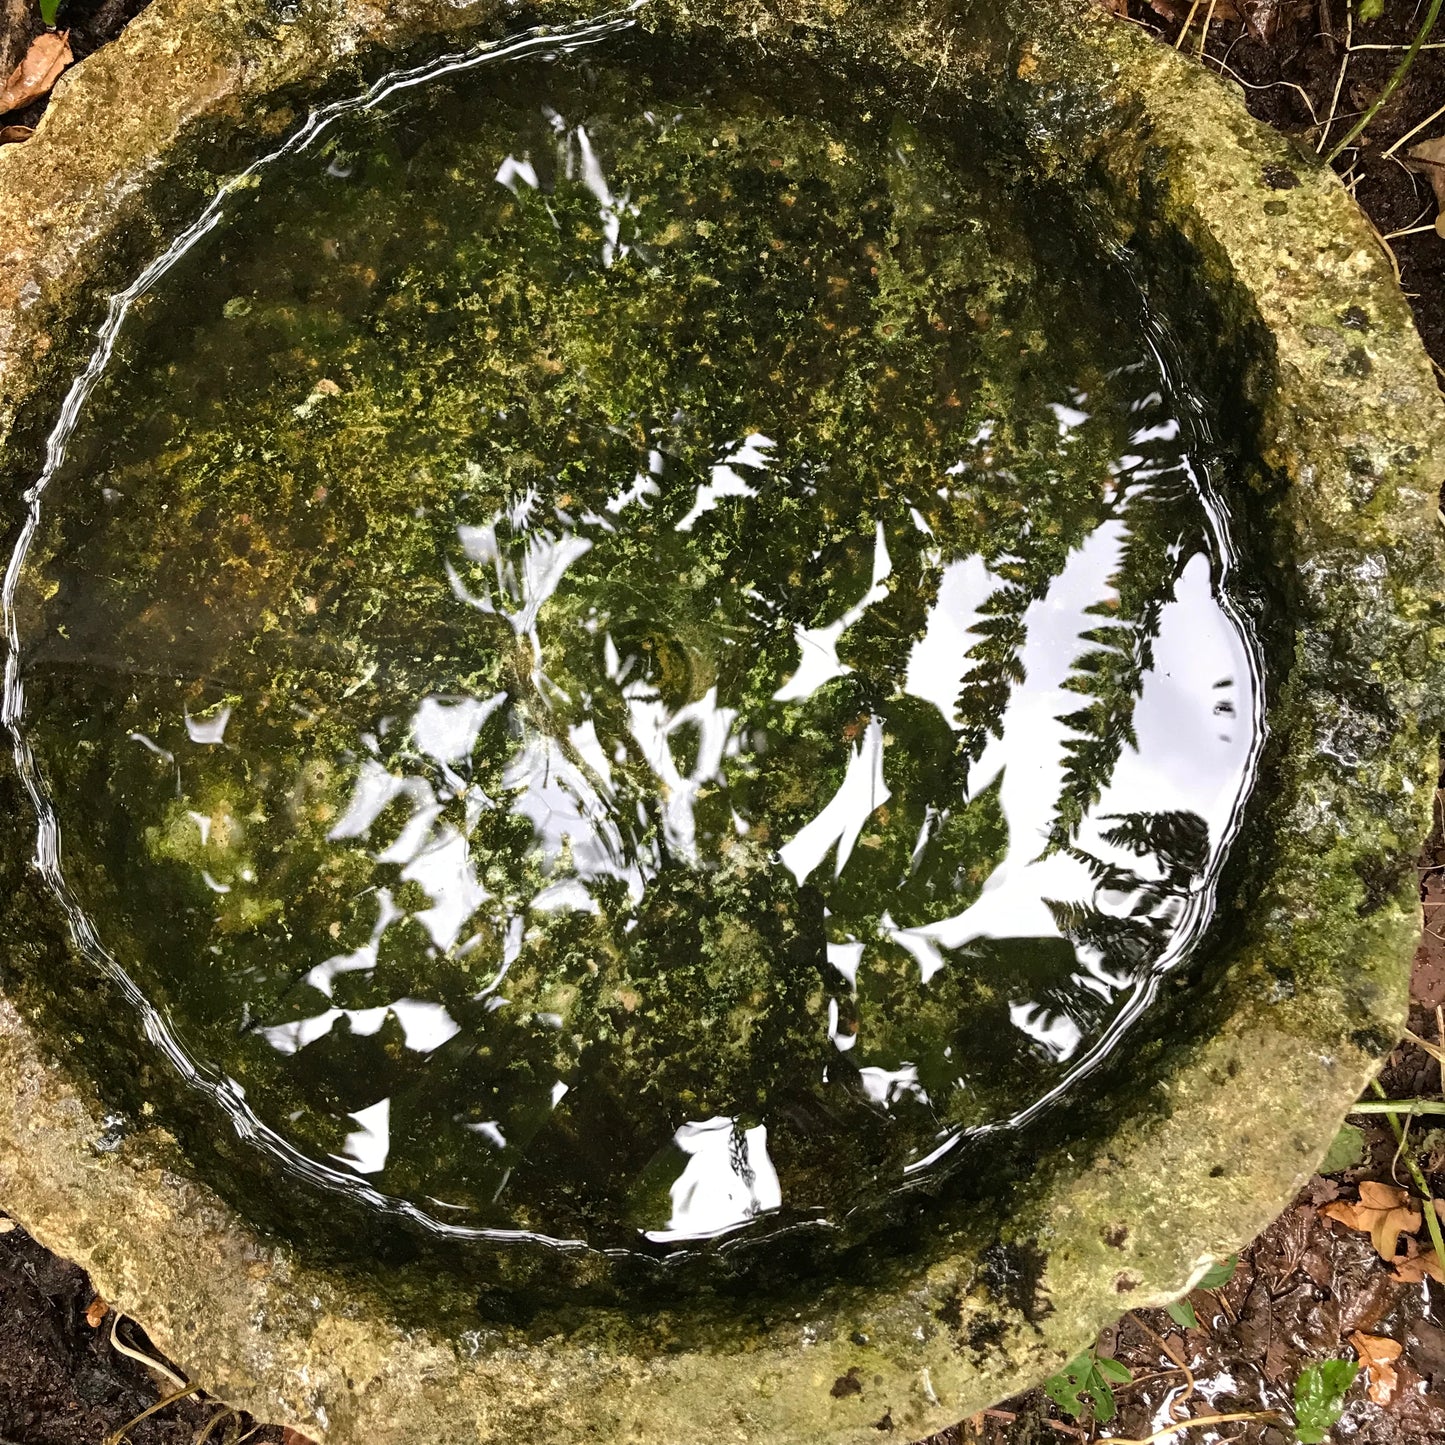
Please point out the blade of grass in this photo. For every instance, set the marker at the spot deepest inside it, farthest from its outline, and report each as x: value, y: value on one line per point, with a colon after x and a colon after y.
x: 1391, y: 85
x: 1432, y: 1220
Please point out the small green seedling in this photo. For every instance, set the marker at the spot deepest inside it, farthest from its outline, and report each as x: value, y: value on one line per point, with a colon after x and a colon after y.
x: 1319, y: 1398
x: 1182, y: 1312
x: 49, y: 9
x: 1218, y: 1275
x: 1087, y: 1377
x: 1346, y: 1151
x: 1371, y: 9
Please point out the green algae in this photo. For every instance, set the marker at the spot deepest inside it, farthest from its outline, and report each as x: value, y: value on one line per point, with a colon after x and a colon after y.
x: 753, y: 368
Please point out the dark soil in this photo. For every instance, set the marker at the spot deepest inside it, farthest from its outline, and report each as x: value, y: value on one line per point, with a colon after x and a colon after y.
x: 1307, y: 1283
x: 61, y: 1380
x: 1300, y: 1291
x: 91, y: 23
x: 1287, y: 56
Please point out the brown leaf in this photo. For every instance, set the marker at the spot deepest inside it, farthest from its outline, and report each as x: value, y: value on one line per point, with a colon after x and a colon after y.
x: 1414, y: 1268
x: 294, y: 1437
x: 1429, y: 157
x: 38, y: 71
x: 1382, y: 1213
x: 1378, y: 1355
x: 14, y: 134
x: 95, y: 1312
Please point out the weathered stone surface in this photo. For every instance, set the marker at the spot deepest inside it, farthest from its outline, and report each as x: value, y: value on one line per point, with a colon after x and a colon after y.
x: 1244, y: 237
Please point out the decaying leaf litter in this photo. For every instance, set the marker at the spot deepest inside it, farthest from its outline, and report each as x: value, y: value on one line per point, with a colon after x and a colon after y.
x: 1334, y: 1319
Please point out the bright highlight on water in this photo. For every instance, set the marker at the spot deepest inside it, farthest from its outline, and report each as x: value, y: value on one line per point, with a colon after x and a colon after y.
x: 621, y: 654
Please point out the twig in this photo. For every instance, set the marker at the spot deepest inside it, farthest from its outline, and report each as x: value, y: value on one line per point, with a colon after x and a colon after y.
x: 149, y: 1361
x: 1188, y: 21
x: 1128, y: 1384
x: 116, y: 1436
x: 1434, y: 1050
x: 1008, y: 1417
x: 1340, y: 78
x: 1238, y: 79
x: 1432, y: 1220
x: 1172, y: 1357
x: 1414, y: 131
x: 204, y: 1434
x: 1204, y: 34
x: 1399, y: 281
x: 1393, y: 84
x: 1272, y: 1416
x: 1440, y: 1029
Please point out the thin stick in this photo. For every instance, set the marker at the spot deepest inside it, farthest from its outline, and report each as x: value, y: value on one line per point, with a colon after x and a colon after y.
x: 204, y: 1435
x: 1399, y: 280
x: 1009, y: 1417
x: 1440, y: 1029
x: 1434, y: 1050
x: 1238, y: 79
x: 1433, y: 45
x: 1393, y: 84
x: 1188, y: 21
x: 1204, y: 34
x: 1410, y: 134
x: 149, y: 1361
x: 1432, y: 1220
x: 1340, y: 78
x: 1270, y: 1415
x: 1172, y: 1358
x: 116, y: 1436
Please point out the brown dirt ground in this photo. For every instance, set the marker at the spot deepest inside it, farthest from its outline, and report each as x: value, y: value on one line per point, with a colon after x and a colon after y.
x: 1307, y: 1283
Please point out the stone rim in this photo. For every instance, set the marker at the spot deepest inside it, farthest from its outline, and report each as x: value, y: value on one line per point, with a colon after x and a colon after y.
x: 1245, y: 1119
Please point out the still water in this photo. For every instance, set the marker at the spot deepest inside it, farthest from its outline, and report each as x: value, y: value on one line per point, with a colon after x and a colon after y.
x: 616, y: 650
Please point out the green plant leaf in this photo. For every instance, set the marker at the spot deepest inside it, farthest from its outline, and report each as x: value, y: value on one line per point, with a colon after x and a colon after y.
x: 1083, y: 1384
x: 1319, y: 1398
x: 1371, y: 9
x: 1346, y: 1151
x: 1182, y: 1313
x: 49, y: 9
x: 1220, y: 1274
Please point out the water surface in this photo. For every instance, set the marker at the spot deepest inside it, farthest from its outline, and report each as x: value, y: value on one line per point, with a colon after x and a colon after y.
x: 621, y: 651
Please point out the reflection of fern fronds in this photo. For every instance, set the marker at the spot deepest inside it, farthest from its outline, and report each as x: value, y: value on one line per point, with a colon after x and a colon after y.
x: 1133, y: 941
x: 1178, y: 839
x: 1128, y: 945
x: 1162, y: 537
x: 997, y: 666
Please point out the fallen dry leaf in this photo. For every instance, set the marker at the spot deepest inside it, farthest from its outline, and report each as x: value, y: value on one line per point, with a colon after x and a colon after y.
x: 1416, y: 1265
x: 1378, y: 1355
x: 14, y: 134
x: 1382, y: 1213
x: 1177, y: 10
x: 1429, y: 157
x: 38, y: 71
x: 95, y: 1312
x: 294, y: 1437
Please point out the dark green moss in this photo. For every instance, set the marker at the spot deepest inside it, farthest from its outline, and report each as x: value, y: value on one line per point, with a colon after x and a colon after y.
x: 306, y: 498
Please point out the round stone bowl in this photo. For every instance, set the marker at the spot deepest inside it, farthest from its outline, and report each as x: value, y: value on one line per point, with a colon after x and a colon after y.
x: 1256, y: 257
